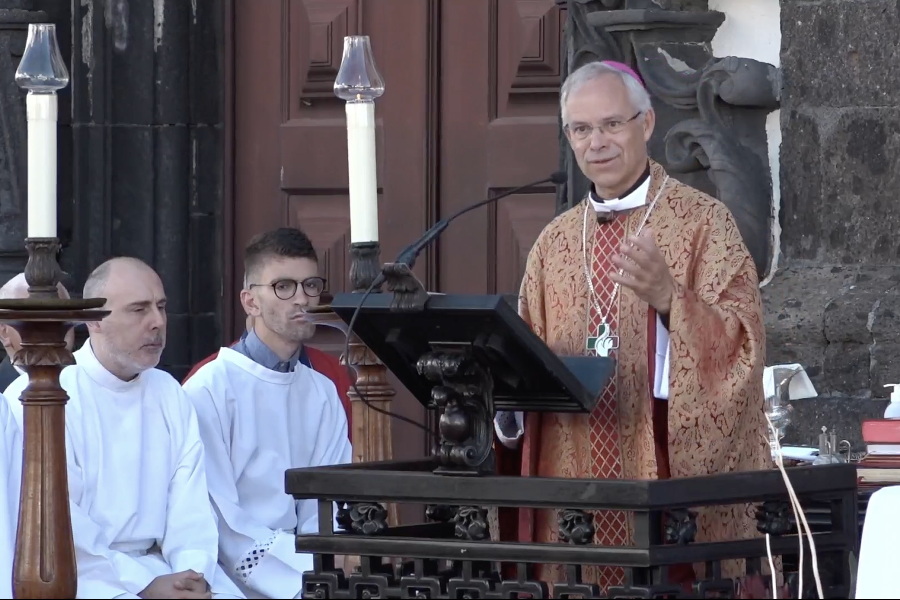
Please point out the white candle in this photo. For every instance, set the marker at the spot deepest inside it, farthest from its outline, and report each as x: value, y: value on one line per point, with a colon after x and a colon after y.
x: 41, y: 110
x: 361, y: 167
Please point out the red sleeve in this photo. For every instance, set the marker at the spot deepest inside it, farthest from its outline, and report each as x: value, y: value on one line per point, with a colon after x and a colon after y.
x: 196, y: 368
x: 331, y: 367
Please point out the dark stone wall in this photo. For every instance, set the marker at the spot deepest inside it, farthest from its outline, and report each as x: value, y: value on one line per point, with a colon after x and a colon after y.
x: 140, y: 150
x: 834, y: 304
x: 147, y: 156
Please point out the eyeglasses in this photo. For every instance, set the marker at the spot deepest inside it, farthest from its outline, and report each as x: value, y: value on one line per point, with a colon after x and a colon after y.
x: 285, y: 289
x: 582, y: 131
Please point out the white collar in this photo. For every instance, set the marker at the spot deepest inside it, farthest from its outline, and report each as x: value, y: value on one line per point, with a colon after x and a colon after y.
x: 87, y: 360
x: 633, y: 200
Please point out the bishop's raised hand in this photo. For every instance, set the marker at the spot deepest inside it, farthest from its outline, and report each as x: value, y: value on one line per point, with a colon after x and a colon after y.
x: 640, y: 267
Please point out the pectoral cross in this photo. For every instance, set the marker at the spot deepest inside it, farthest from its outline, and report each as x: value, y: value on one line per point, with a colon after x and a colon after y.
x: 604, y: 342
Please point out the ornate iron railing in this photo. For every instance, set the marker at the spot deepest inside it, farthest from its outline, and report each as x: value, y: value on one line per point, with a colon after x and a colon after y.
x: 453, y: 555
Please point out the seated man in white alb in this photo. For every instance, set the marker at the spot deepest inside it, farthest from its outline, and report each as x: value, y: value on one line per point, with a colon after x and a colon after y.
x: 11, y: 464
x: 262, y: 411
x: 142, y: 521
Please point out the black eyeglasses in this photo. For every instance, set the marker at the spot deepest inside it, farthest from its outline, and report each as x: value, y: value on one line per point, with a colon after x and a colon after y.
x: 582, y: 131
x: 285, y: 289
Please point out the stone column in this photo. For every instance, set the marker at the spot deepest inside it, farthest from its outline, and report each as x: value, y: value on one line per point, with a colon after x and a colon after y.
x: 834, y: 304
x: 147, y: 80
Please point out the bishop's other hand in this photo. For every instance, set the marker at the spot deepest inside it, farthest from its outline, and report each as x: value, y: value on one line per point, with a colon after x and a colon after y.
x: 640, y: 267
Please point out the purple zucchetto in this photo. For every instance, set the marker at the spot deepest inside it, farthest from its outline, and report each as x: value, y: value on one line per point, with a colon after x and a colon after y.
x: 624, y: 69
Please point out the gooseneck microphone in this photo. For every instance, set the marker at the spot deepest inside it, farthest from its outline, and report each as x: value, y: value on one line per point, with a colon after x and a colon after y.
x: 408, y: 258
x: 409, y: 254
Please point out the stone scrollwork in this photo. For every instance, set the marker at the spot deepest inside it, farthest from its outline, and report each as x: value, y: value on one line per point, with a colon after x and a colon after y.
x: 711, y: 112
x: 738, y: 170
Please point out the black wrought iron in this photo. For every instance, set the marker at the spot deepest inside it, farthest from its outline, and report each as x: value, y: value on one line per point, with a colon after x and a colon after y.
x: 681, y: 526
x: 471, y: 523
x: 440, y: 513
x: 774, y: 517
x: 433, y: 560
x: 576, y: 526
x: 362, y: 518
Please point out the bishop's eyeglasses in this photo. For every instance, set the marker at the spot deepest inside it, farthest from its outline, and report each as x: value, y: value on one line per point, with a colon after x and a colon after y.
x: 285, y: 289
x: 582, y: 131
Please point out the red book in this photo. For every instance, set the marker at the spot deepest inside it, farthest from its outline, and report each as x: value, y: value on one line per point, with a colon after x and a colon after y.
x: 881, y: 431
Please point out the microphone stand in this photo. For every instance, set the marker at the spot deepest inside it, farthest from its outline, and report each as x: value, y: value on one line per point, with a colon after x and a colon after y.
x: 409, y: 293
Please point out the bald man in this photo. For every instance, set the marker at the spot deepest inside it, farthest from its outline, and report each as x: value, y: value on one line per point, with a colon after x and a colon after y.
x: 17, y: 288
x: 142, y: 520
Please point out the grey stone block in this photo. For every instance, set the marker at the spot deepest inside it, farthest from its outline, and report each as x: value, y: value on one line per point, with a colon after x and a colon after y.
x: 842, y: 415
x: 801, y: 183
x: 840, y: 204
x: 206, y: 336
x: 796, y: 299
x: 838, y: 51
x: 205, y: 260
x: 846, y: 369
x: 177, y: 342
x: 884, y: 367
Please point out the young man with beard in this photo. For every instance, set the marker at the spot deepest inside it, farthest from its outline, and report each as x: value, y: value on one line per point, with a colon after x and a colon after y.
x: 318, y: 360
x: 263, y: 411
x: 142, y: 522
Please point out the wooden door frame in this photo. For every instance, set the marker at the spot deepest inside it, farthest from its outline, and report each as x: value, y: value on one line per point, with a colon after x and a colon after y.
x: 228, y: 175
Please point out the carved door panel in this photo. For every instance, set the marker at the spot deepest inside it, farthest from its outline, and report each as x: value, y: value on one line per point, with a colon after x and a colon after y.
x: 499, y: 98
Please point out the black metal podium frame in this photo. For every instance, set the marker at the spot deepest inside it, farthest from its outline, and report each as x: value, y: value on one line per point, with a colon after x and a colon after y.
x: 453, y: 554
x: 469, y: 356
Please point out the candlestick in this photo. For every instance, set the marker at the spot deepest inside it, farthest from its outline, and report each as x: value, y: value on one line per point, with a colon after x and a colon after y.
x: 42, y: 72
x: 41, y: 110
x: 44, y: 560
x: 361, y: 166
x: 359, y: 83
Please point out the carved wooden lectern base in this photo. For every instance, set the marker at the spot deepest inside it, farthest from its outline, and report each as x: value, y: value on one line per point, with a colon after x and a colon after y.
x: 44, y: 565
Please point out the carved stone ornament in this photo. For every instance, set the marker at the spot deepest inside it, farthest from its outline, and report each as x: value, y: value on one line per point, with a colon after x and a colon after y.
x: 710, y: 112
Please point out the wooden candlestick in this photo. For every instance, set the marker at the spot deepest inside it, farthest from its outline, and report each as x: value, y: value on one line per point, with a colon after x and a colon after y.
x: 371, y: 429
x: 44, y: 563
